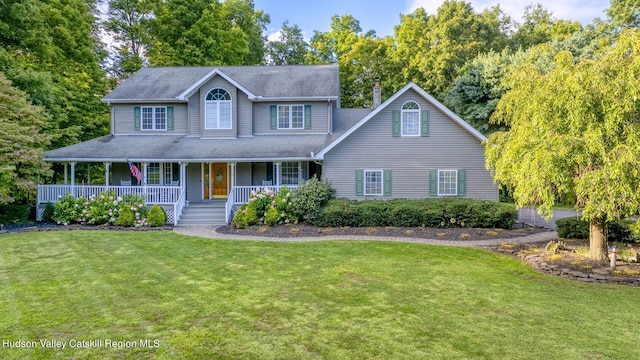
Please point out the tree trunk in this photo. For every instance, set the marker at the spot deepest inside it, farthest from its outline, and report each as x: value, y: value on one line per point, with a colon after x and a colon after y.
x: 598, y: 240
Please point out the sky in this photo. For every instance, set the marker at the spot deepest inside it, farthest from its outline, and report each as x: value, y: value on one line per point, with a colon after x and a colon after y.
x: 383, y: 15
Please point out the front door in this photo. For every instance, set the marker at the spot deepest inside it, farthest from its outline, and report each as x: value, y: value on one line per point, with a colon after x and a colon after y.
x: 215, y: 180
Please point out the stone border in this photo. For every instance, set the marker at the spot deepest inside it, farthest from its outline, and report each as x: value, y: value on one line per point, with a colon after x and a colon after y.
x: 537, y: 261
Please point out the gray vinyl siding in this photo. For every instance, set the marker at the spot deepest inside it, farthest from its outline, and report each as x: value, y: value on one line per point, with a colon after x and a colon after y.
x: 372, y: 147
x: 124, y: 122
x: 219, y: 82
x: 194, y: 182
x: 245, y: 115
x: 195, y: 127
x: 262, y: 118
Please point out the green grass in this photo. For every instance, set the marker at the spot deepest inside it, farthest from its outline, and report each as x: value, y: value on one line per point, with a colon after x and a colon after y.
x: 203, y: 298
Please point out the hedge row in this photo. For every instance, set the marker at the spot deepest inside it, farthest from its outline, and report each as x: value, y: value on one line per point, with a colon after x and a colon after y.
x: 415, y: 213
x: 574, y: 228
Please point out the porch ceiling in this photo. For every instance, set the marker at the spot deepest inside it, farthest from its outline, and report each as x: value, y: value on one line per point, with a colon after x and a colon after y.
x: 182, y: 148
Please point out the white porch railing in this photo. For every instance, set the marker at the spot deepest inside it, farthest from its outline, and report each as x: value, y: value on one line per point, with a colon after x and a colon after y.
x: 177, y: 208
x: 153, y: 194
x: 231, y: 200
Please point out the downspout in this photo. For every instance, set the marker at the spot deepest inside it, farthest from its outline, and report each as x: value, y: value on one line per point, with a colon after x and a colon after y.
x: 329, y: 117
x: 316, y: 161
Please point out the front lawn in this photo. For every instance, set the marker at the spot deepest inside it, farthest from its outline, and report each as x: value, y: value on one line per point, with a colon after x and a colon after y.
x: 187, y: 297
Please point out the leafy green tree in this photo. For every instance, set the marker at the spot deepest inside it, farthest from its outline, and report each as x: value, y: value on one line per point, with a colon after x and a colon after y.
x: 328, y: 47
x: 624, y: 13
x: 540, y: 26
x: 432, y: 49
x: 206, y: 32
x: 21, y: 143
x: 127, y: 22
x: 574, y: 131
x: 51, y: 50
x: 290, y: 49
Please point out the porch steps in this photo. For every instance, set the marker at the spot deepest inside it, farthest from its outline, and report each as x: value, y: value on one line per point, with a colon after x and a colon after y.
x: 203, y: 214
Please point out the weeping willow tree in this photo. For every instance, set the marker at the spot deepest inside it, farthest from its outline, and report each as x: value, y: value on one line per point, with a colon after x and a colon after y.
x: 574, y: 132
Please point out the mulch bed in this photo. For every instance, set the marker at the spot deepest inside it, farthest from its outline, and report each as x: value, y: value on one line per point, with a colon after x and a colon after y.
x: 466, y: 234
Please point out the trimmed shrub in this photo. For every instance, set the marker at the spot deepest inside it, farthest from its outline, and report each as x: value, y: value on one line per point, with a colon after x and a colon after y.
x: 415, y: 213
x: 272, y: 217
x: 245, y: 216
x: 47, y: 214
x: 308, y: 199
x: 14, y: 213
x: 572, y: 228
x: 409, y: 215
x: 157, y: 216
x: 125, y: 217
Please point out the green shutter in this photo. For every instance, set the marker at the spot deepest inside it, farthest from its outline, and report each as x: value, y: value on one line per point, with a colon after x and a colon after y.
x: 359, y: 182
x: 386, y: 188
x: 395, y: 116
x: 137, y: 114
x: 170, y: 118
x: 462, y: 183
x: 424, y: 126
x: 307, y: 117
x: 433, y: 183
x: 274, y: 117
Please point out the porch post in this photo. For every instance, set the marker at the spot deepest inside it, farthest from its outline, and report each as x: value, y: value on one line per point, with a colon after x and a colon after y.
x: 73, y: 178
x: 144, y: 176
x: 183, y: 175
x: 107, y: 165
x: 233, y: 175
x: 278, y: 174
x: 66, y: 180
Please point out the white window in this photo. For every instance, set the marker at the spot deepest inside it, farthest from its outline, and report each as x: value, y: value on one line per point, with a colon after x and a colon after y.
x: 168, y: 174
x: 410, y: 119
x: 154, y: 118
x: 373, y: 182
x: 290, y: 116
x: 153, y: 174
x: 217, y: 109
x: 290, y: 171
x: 447, y: 182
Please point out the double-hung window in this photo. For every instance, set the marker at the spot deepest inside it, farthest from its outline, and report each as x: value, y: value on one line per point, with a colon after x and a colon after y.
x: 447, y: 182
x: 153, y: 174
x: 373, y: 182
x: 290, y: 116
x: 218, y: 109
x: 154, y: 118
x: 410, y: 119
x: 290, y: 171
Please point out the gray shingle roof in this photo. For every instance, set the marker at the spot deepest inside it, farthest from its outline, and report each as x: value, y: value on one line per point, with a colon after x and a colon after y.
x: 175, y: 148
x: 167, y: 83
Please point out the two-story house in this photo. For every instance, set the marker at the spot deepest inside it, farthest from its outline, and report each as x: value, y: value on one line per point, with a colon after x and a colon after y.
x: 204, y: 137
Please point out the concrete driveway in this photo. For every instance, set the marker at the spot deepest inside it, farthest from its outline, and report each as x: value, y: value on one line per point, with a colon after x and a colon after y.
x: 531, y: 217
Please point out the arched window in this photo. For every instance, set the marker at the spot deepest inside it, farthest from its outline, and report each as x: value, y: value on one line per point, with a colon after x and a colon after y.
x: 410, y: 119
x: 217, y: 109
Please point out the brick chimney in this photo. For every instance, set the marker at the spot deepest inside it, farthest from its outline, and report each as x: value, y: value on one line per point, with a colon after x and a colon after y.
x: 377, y: 96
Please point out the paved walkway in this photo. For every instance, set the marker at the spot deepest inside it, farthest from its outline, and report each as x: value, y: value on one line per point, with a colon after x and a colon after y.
x: 531, y: 217
x: 210, y: 232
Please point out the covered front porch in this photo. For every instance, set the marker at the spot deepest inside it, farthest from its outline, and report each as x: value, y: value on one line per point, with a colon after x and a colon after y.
x: 173, y: 185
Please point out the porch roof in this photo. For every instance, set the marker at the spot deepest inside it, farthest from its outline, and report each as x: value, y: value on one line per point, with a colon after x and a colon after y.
x: 160, y: 148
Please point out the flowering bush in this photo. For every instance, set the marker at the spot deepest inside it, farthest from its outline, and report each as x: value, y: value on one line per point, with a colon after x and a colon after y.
x: 265, y: 207
x: 98, y: 210
x: 308, y: 199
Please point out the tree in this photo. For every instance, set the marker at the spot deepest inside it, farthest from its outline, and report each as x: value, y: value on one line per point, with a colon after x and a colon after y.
x: 327, y: 47
x: 206, y: 32
x: 624, y: 13
x: 52, y: 52
x: 127, y: 22
x: 21, y: 143
x: 290, y: 49
x: 540, y: 27
x: 574, y: 131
